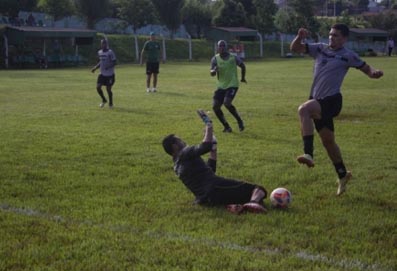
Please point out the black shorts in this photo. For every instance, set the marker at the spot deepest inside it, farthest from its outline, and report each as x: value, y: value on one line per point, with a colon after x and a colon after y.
x: 330, y: 108
x: 106, y: 80
x: 220, y: 94
x: 152, y: 67
x: 229, y: 191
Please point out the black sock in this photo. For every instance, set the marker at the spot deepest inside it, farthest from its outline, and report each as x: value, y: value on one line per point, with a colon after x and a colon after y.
x: 340, y: 169
x: 308, y: 144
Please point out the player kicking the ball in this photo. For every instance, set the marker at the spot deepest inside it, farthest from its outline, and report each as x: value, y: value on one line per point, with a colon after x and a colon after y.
x: 332, y: 62
x: 200, y: 178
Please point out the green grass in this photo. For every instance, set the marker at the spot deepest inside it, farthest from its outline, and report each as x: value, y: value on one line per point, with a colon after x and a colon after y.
x: 84, y: 188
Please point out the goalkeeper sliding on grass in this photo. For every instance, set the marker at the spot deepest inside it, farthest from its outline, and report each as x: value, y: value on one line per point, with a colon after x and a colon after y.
x: 199, y: 177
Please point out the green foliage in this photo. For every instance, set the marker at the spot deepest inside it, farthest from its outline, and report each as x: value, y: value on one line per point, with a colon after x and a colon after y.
x: 170, y: 13
x: 57, y: 8
x: 137, y: 12
x: 12, y: 7
x: 231, y: 13
x: 196, y: 17
x: 93, y: 10
x: 84, y: 188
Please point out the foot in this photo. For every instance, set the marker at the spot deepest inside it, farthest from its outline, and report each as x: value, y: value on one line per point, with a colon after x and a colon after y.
x: 102, y: 104
x: 254, y: 207
x: 227, y: 130
x: 111, y: 106
x: 148, y: 90
x: 343, y: 182
x: 154, y: 90
x: 241, y: 126
x: 306, y: 159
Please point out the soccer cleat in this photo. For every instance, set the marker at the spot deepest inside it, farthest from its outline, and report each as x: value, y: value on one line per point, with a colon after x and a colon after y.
x: 154, y: 90
x: 111, y: 106
x: 306, y: 159
x: 235, y: 208
x: 227, y: 130
x: 204, y: 116
x: 343, y: 182
x: 148, y: 90
x: 241, y: 126
x: 254, y: 207
x: 102, y: 104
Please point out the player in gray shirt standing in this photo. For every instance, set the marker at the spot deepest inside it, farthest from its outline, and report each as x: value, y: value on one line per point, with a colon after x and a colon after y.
x: 331, y: 63
x: 107, y: 61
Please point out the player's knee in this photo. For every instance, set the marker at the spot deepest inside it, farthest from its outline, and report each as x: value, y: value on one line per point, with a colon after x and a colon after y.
x: 216, y: 107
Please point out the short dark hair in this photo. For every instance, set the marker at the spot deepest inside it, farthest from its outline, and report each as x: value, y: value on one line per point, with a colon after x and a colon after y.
x: 344, y: 29
x: 168, y: 141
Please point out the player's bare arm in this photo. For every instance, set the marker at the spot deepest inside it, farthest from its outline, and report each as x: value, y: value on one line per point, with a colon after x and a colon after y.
x: 96, y: 67
x: 371, y: 72
x: 243, y: 72
x: 296, y: 45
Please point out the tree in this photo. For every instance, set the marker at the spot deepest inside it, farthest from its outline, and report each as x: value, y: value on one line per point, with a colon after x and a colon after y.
x: 136, y: 12
x: 305, y: 15
x: 170, y: 13
x: 196, y: 16
x: 231, y: 13
x: 263, y: 20
x: 92, y: 10
x: 12, y: 7
x: 57, y: 8
x: 285, y: 20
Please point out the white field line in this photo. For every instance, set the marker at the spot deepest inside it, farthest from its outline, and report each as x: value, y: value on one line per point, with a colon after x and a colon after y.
x: 344, y: 264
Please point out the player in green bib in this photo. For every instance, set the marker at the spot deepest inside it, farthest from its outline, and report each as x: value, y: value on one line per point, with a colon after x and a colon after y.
x: 224, y: 65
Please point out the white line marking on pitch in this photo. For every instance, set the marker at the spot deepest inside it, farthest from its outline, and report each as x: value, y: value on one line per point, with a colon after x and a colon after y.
x: 345, y: 263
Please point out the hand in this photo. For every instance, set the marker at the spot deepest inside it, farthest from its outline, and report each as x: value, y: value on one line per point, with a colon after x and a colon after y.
x: 213, y: 72
x: 93, y: 70
x: 204, y: 117
x: 243, y: 80
x: 303, y: 33
x: 377, y: 74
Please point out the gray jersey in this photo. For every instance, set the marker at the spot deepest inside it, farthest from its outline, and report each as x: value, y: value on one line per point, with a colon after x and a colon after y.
x: 106, y: 59
x: 193, y: 171
x: 330, y: 68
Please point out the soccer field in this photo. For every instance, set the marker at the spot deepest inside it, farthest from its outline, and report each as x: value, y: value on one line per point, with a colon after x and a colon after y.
x: 89, y: 188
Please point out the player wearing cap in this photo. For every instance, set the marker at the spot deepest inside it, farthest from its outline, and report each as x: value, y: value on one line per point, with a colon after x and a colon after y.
x: 153, y: 51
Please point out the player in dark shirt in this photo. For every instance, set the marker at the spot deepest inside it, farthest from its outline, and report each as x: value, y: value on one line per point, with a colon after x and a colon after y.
x: 200, y: 178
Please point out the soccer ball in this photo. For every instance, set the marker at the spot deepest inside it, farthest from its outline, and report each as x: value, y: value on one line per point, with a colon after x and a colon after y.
x: 280, y: 197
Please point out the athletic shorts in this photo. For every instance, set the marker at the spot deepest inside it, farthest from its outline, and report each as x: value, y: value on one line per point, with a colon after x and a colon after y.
x: 106, y: 80
x: 229, y: 191
x: 152, y: 67
x: 220, y: 94
x: 330, y: 108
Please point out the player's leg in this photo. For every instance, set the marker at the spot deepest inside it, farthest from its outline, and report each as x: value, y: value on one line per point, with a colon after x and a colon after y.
x: 308, y: 111
x: 155, y: 69
x: 227, y: 102
x: 154, y: 89
x: 109, y: 84
x: 100, y: 82
x: 217, y: 102
x: 327, y: 136
x: 148, y: 76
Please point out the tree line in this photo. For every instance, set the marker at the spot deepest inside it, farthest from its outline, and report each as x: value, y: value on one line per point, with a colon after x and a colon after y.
x: 198, y: 15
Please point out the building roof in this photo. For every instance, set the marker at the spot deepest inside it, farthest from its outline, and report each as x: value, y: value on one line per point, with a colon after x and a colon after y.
x: 230, y: 33
x: 18, y: 34
x: 368, y: 32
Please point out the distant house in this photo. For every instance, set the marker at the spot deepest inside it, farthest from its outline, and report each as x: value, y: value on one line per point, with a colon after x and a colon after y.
x: 368, y: 39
